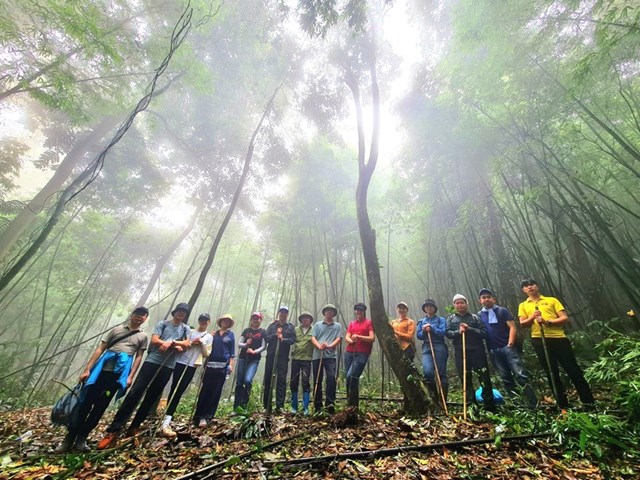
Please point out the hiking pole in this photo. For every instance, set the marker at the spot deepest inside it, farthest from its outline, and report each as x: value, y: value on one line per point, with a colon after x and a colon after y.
x: 274, y: 378
x: 464, y: 376
x: 315, y: 387
x: 548, y: 358
x: 192, y: 416
x: 439, y: 382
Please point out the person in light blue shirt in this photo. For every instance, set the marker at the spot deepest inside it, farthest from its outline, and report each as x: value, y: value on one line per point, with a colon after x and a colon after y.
x: 326, y: 336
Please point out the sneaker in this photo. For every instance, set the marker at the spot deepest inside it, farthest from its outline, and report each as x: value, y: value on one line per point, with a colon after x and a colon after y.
x: 166, y: 432
x: 64, y: 446
x: 202, y: 423
x: 110, y: 440
x: 81, y: 445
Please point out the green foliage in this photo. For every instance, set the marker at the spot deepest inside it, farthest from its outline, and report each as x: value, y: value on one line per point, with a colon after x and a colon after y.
x: 248, y: 425
x: 596, y: 434
x: 617, y: 372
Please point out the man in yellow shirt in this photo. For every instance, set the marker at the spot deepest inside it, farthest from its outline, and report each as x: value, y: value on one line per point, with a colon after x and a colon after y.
x: 547, y: 314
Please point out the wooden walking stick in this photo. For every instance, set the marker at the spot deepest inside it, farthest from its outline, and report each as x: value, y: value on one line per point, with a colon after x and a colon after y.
x: 548, y: 358
x: 315, y: 387
x: 273, y: 378
x: 464, y: 376
x: 439, y: 382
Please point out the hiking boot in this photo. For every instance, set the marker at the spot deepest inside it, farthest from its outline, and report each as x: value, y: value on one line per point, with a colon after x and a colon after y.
x: 132, y: 432
x: 202, y: 423
x: 65, y: 445
x: 109, y: 441
x: 166, y: 432
x: 81, y: 445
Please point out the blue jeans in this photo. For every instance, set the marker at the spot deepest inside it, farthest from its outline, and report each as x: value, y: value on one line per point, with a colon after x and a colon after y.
x: 441, y: 352
x: 245, y: 371
x: 510, y: 367
x: 354, y: 363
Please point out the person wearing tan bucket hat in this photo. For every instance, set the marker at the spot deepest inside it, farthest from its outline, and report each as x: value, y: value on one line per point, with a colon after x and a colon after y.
x: 326, y: 336
x: 301, y: 355
x: 219, y: 362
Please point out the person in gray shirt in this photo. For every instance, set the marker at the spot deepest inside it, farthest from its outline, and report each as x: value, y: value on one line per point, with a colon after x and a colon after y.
x: 326, y: 336
x: 168, y: 338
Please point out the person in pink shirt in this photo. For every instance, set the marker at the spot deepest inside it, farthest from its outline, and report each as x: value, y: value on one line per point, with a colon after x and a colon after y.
x: 360, y: 338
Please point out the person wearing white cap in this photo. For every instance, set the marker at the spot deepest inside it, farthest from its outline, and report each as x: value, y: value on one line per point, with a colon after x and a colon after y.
x: 280, y: 336
x: 475, y: 334
x: 186, y: 365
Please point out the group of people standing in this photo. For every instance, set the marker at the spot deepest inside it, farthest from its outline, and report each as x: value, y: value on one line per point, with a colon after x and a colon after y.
x: 494, y: 329
x: 175, y: 352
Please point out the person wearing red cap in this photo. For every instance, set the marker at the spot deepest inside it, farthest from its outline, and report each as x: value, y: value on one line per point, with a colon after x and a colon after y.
x: 359, y: 338
x: 251, y: 344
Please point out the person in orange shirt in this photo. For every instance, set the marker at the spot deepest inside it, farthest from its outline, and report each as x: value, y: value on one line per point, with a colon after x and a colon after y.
x: 405, y: 330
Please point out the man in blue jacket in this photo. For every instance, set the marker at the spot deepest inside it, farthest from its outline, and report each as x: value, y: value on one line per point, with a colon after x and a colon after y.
x: 501, y: 341
x: 108, y: 373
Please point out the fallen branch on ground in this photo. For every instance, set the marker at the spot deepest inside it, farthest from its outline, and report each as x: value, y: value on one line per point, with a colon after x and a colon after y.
x: 384, y: 452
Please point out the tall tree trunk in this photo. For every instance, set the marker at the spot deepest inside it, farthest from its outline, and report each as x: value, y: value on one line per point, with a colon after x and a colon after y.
x: 417, y: 401
x: 245, y: 172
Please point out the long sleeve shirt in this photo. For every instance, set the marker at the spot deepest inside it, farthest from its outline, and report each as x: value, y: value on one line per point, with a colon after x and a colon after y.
x: 288, y: 339
x: 405, y: 329
x: 476, y: 333
x: 438, y: 329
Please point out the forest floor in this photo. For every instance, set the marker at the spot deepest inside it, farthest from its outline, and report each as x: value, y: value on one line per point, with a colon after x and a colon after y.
x: 27, y: 440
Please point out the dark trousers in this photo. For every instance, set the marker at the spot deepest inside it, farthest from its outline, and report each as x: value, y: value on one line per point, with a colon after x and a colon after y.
x: 96, y: 400
x: 300, y: 373
x: 210, y: 394
x: 561, y: 353
x: 328, y: 369
x: 182, y: 376
x: 281, y: 366
x: 146, y: 381
x: 476, y: 362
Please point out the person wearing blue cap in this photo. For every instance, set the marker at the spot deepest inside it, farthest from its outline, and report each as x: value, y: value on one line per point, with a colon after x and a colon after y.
x: 503, y: 351
x: 279, y: 337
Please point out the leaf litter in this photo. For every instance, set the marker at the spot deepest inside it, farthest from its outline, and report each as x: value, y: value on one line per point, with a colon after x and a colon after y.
x: 298, y: 437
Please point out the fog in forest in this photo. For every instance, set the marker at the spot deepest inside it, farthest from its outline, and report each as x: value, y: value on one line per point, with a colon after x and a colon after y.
x: 155, y: 152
